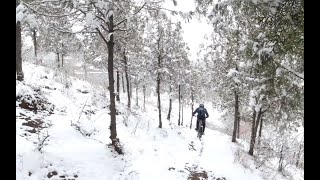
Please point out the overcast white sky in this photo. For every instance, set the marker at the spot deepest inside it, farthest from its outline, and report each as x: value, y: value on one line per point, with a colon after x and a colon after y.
x: 195, y: 30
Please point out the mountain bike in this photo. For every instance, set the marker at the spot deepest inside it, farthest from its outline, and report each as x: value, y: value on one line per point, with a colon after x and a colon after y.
x: 200, y: 129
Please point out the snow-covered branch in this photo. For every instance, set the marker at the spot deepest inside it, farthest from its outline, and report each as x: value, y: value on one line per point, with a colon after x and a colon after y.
x: 126, y: 19
x: 299, y: 75
x: 48, y: 15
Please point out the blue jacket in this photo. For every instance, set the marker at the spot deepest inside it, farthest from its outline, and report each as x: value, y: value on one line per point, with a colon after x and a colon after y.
x: 197, y: 110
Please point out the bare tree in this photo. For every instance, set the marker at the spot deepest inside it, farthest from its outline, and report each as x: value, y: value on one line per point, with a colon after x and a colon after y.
x: 118, y: 87
x: 158, y: 83
x: 236, y: 109
x: 19, y: 71
x: 179, y: 90
x: 170, y: 100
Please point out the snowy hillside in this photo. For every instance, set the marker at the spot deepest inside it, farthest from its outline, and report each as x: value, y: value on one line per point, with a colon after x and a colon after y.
x: 62, y: 132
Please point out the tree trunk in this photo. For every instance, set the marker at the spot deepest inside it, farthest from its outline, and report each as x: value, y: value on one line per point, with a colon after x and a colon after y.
x: 258, y: 121
x: 236, y: 109
x: 113, y: 125
x: 130, y: 80
x: 238, y: 131
x: 118, y: 87
x: 179, y: 104
x: 62, y: 53
x: 61, y: 59
x: 260, y: 130
x: 19, y: 71
x: 192, y: 98
x: 158, y: 92
x: 280, y: 167
x: 170, y: 109
x: 252, y: 132
x: 255, y: 125
x: 124, y: 91
x: 34, y: 38
x: 144, y: 97
x: 298, y: 155
x: 127, y: 77
x: 85, y: 72
x: 137, y: 99
x: 158, y: 83
x: 58, y: 60
x: 170, y: 101
x: 181, y: 115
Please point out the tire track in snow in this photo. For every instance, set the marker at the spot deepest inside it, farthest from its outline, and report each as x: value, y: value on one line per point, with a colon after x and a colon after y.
x: 195, y: 167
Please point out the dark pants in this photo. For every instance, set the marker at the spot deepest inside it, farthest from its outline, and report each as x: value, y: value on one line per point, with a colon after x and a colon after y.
x: 203, y: 122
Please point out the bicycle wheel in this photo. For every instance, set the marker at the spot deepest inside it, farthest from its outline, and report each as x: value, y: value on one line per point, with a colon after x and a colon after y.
x: 200, y: 130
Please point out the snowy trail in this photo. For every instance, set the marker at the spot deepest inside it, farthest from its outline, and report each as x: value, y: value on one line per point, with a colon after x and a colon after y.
x: 218, y: 157
x: 87, y: 157
x: 73, y: 150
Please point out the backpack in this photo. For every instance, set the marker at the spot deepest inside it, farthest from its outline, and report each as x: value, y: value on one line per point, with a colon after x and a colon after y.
x: 201, y: 113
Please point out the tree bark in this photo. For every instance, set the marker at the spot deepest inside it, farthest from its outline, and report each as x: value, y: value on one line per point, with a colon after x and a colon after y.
x: 137, y: 99
x: 85, y: 72
x: 118, y: 87
x: 127, y: 77
x: 158, y: 84
x: 181, y: 115
x: 19, y: 71
x: 123, y: 86
x: 113, y: 124
x: 179, y: 104
x: 298, y: 155
x: 280, y: 167
x: 158, y: 92
x: 192, y: 99
x: 236, y: 109
x: 34, y: 38
x: 260, y: 130
x: 58, y: 60
x: 144, y: 97
x: 255, y: 125
x: 130, y: 80
x: 252, y: 132
x: 61, y: 59
x: 170, y: 101
x: 238, y: 131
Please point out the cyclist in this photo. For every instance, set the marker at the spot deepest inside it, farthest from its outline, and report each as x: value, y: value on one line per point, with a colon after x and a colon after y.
x: 202, y: 115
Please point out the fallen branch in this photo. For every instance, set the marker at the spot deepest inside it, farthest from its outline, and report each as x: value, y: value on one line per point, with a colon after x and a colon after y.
x: 135, y: 128
x: 40, y: 146
x: 82, y: 109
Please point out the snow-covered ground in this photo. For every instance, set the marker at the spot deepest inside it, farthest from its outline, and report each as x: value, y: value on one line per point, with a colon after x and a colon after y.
x: 74, y: 141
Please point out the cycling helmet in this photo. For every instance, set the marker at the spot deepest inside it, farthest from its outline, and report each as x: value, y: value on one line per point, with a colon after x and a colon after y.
x: 201, y: 105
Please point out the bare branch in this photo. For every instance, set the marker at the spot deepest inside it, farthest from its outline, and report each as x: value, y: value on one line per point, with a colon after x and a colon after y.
x: 265, y: 109
x: 104, y: 28
x: 82, y: 109
x: 140, y: 9
x: 123, y: 29
x: 117, y: 24
x: 40, y: 145
x: 101, y: 19
x: 104, y: 39
x: 99, y: 11
x: 48, y: 15
x: 120, y: 22
x: 301, y: 76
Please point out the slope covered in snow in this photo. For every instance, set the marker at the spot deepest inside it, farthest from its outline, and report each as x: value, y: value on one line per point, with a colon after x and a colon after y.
x: 62, y: 132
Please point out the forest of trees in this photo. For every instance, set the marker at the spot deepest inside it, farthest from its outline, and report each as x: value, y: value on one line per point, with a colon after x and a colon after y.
x: 251, y: 66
